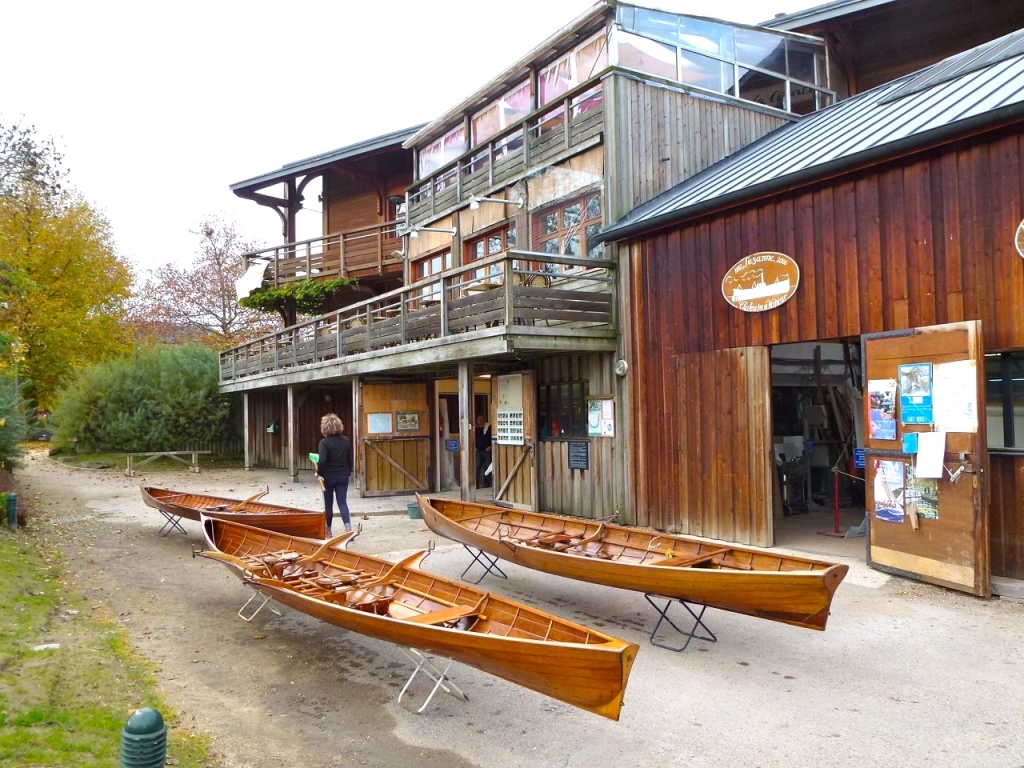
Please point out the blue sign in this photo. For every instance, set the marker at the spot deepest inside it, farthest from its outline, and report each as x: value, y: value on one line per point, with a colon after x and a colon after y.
x: 858, y: 458
x: 451, y: 445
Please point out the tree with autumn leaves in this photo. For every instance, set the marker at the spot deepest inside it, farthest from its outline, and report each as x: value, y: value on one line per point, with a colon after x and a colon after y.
x: 63, y: 289
x: 199, y: 302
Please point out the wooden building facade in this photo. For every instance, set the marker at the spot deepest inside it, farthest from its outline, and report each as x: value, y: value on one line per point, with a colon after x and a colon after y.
x: 908, y: 239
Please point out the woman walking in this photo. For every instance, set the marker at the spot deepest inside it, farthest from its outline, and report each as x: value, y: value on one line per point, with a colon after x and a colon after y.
x: 334, y: 469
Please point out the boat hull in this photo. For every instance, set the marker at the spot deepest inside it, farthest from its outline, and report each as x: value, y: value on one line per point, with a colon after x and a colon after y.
x: 191, y: 506
x: 744, y: 580
x: 515, y: 642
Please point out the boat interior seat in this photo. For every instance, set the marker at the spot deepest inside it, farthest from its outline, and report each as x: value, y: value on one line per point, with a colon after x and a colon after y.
x: 686, y: 561
x: 445, y: 615
x: 552, y: 540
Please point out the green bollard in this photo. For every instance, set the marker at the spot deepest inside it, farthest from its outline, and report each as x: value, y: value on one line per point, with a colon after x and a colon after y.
x: 144, y: 740
x: 12, y: 511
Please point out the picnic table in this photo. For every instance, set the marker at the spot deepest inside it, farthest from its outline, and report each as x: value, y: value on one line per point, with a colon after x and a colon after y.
x: 192, y: 462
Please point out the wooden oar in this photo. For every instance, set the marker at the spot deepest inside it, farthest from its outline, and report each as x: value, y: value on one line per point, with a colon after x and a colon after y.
x: 241, y: 505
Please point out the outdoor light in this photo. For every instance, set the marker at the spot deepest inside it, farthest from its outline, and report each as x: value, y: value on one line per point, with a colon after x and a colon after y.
x: 414, y: 232
x: 474, y: 201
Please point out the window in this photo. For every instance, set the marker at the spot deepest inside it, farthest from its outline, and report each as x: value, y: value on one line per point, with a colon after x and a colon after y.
x: 491, y: 244
x: 430, y: 266
x: 1004, y: 396
x: 512, y: 107
x: 442, y: 151
x: 562, y: 410
x: 570, y: 228
x: 577, y: 66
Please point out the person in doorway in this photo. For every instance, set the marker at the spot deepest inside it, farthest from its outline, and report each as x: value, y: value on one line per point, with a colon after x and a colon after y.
x: 483, y: 451
x: 334, y: 469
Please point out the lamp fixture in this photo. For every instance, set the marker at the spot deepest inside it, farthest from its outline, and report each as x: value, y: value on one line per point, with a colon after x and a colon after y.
x: 474, y: 201
x: 414, y: 232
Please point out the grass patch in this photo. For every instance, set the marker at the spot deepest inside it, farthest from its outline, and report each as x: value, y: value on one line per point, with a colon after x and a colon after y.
x: 67, y: 706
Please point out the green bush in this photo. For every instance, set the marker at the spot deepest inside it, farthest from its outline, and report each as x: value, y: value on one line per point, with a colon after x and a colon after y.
x: 12, y: 425
x: 154, y: 400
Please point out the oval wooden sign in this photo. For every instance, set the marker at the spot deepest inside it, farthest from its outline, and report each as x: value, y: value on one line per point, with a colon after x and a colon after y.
x: 761, y: 281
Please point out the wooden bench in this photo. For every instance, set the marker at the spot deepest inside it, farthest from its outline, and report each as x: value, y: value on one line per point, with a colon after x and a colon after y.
x: 192, y: 463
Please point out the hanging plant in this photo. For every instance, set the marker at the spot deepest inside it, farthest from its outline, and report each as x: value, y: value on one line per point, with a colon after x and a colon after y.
x: 304, y: 297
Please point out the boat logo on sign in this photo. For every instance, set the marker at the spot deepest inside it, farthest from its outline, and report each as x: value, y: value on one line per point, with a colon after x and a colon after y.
x: 761, y: 281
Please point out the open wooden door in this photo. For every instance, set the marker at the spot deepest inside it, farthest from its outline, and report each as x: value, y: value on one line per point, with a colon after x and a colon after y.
x: 927, y: 380
x: 514, y: 424
x: 395, y: 447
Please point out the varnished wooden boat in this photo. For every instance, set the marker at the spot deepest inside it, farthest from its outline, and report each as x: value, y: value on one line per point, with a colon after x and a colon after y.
x: 274, y: 517
x: 786, y: 588
x: 399, y: 603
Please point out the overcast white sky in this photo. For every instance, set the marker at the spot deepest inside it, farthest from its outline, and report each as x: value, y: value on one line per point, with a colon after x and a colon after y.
x: 159, y: 107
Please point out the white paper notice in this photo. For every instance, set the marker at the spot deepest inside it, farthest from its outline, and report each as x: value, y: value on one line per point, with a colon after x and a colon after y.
x: 930, y: 449
x: 955, y: 397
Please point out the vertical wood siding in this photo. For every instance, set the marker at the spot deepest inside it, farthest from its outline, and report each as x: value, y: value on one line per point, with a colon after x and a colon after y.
x: 919, y: 242
x: 1006, y: 518
x: 922, y: 240
x: 270, y: 450
x: 666, y: 136
x: 567, y: 491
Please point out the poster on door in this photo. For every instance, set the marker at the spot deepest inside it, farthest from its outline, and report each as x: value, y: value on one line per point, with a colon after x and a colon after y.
x: 916, y: 393
x: 882, y: 413
x: 890, y: 504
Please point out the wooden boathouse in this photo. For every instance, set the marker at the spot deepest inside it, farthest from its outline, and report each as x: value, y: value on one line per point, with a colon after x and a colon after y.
x: 902, y: 209
x: 551, y: 254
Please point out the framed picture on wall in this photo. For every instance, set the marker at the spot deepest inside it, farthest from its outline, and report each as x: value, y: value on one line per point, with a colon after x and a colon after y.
x: 408, y: 421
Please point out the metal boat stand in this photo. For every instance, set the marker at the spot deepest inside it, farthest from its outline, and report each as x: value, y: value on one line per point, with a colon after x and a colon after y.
x: 485, y: 560
x: 173, y: 523
x: 698, y: 621
x: 256, y: 595
x: 426, y: 665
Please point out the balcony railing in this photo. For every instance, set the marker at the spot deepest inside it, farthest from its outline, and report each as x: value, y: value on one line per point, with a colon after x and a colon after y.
x: 356, y: 253
x: 555, y: 130
x: 553, y: 295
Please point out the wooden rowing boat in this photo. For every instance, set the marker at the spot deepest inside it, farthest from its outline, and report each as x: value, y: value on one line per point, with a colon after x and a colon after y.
x: 399, y: 603
x: 786, y: 588
x: 274, y: 517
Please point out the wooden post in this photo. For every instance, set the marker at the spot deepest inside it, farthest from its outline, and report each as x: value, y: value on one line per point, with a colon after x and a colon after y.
x: 467, y: 456
x: 246, y: 433
x: 357, y: 435
x: 293, y: 471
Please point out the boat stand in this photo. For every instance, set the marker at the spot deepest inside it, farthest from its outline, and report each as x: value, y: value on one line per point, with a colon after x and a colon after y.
x: 487, y: 561
x: 426, y: 665
x: 256, y: 595
x: 698, y: 621
x: 172, y: 523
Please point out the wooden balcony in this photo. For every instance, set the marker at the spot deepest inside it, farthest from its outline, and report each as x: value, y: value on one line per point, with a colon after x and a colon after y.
x: 560, y: 129
x: 514, y: 301
x: 363, y: 252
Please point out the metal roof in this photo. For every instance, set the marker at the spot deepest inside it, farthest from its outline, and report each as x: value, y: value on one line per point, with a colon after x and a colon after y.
x: 820, y: 13
x: 869, y: 127
x: 299, y: 167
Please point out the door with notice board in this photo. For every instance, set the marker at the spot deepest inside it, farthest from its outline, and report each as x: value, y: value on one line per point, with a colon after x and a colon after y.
x: 395, y: 449
x: 926, y: 455
x: 513, y: 409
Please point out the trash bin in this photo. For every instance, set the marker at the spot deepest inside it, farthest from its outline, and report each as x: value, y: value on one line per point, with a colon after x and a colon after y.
x: 414, y: 512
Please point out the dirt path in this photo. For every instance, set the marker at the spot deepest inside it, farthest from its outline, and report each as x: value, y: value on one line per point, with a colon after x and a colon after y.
x: 905, y: 672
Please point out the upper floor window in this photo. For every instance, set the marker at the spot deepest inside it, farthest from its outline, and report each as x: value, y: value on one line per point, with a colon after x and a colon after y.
x: 442, y: 151
x: 784, y: 71
x: 429, y: 266
x: 570, y: 228
x: 575, y: 67
x: 512, y: 107
x: 491, y: 244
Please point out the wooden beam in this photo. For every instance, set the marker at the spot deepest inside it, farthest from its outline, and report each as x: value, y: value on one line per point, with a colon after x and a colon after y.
x: 246, y: 433
x: 467, y: 456
x: 293, y: 471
